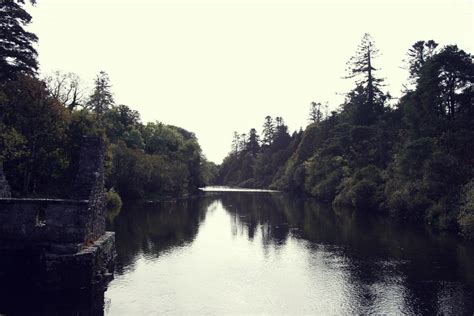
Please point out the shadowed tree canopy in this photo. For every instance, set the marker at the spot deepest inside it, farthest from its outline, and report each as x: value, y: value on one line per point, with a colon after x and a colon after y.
x: 418, y: 54
x: 252, y: 144
x: 445, y: 85
x: 17, y: 54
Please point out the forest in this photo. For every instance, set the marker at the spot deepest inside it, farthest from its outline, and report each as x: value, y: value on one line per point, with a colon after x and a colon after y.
x: 44, y: 118
x: 412, y: 159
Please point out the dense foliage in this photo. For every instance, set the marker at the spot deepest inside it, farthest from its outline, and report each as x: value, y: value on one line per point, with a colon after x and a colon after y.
x: 414, y: 160
x: 43, y: 121
x: 41, y: 138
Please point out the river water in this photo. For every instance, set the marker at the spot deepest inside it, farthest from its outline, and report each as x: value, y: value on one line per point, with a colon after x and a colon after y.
x: 266, y: 253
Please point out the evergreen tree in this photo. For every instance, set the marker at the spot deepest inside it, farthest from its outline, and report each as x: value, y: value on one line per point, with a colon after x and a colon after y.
x: 17, y: 54
x: 279, y: 122
x: 361, y: 66
x: 243, y: 142
x: 315, y: 113
x: 101, y: 99
x: 235, y: 143
x: 268, y: 131
x: 252, y: 144
x: 418, y: 54
x: 282, y: 137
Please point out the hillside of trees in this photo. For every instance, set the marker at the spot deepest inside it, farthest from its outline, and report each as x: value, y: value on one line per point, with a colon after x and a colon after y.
x: 413, y: 160
x: 43, y: 120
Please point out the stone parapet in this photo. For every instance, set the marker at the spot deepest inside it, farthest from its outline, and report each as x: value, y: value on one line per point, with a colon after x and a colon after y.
x: 4, y: 187
x: 43, y: 220
x: 63, y: 242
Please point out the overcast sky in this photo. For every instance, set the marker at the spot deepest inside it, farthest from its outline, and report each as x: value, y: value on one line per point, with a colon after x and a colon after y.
x: 214, y: 67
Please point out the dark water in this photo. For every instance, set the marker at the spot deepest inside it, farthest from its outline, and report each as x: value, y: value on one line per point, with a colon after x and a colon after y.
x: 265, y: 253
x: 242, y: 253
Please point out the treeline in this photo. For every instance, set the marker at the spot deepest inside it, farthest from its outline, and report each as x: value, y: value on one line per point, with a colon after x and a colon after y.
x: 413, y: 160
x: 255, y: 162
x: 43, y: 121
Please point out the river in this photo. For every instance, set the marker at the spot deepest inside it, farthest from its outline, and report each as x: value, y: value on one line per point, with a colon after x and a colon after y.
x: 267, y: 253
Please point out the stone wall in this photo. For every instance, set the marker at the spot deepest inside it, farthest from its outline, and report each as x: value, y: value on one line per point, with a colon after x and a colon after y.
x: 4, y: 187
x: 89, y: 185
x: 44, y: 220
x: 62, y: 243
x: 81, y: 220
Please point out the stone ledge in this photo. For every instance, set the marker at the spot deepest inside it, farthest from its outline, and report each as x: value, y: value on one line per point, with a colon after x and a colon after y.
x: 32, y: 200
x: 91, y: 265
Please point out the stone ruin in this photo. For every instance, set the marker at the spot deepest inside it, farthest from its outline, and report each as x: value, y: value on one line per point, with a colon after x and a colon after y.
x: 4, y: 187
x: 64, y: 240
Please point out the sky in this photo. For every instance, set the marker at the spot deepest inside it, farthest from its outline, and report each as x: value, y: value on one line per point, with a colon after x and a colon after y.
x: 215, y: 67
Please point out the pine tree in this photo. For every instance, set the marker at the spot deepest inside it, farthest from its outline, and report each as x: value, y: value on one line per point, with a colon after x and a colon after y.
x: 101, y: 99
x: 252, y: 144
x: 361, y: 66
x: 268, y: 131
x: 279, y: 122
x: 236, y: 143
x: 243, y: 142
x: 315, y: 113
x: 17, y: 54
x: 418, y: 54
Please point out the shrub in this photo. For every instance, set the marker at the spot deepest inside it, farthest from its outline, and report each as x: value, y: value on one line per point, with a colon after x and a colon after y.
x: 466, y: 211
x: 114, y: 202
x: 362, y: 191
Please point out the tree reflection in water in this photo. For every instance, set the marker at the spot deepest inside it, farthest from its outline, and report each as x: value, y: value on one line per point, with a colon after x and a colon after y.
x: 381, y: 265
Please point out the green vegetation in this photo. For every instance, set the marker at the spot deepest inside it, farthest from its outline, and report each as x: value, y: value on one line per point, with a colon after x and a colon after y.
x: 42, y: 123
x: 114, y: 202
x: 413, y: 160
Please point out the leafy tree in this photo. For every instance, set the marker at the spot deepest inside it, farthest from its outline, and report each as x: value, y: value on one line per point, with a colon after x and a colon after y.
x: 120, y: 119
x: 443, y: 97
x: 65, y: 87
x: 17, y: 54
x: 454, y: 72
x: 39, y: 123
x: 12, y: 143
x: 133, y: 138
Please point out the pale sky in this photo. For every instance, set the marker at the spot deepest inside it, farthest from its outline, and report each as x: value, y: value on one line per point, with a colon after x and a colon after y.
x: 214, y: 67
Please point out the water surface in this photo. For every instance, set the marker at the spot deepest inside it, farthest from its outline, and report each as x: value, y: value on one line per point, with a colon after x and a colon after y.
x: 244, y: 252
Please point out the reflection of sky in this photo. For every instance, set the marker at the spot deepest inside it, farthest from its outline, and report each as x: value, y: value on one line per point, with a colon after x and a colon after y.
x: 224, y: 271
